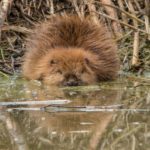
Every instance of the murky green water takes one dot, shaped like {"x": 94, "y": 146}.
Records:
{"x": 111, "y": 115}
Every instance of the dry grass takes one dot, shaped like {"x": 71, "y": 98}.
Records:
{"x": 128, "y": 21}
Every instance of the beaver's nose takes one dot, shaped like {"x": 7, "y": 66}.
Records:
{"x": 71, "y": 80}
{"x": 72, "y": 83}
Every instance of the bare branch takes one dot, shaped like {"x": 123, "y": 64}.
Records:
{"x": 4, "y": 4}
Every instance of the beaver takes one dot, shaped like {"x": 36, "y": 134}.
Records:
{"x": 69, "y": 51}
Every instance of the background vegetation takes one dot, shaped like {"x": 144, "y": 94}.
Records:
{"x": 127, "y": 20}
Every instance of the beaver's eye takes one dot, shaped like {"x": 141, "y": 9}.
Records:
{"x": 52, "y": 62}
{"x": 83, "y": 71}
{"x": 59, "y": 71}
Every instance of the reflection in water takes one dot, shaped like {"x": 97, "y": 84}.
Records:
{"x": 76, "y": 130}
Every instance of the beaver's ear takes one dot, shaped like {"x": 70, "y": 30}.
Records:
{"x": 91, "y": 62}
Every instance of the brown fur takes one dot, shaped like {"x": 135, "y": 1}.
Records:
{"x": 70, "y": 51}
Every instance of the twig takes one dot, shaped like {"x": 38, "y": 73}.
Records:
{"x": 92, "y": 9}
{"x": 124, "y": 36}
{"x": 4, "y": 71}
{"x": 147, "y": 17}
{"x": 124, "y": 135}
{"x": 112, "y": 12}
{"x": 125, "y": 12}
{"x": 124, "y": 17}
{"x": 77, "y": 8}
{"x": 2, "y": 54}
{"x": 4, "y": 74}
{"x": 17, "y": 29}
{"x": 3, "y": 12}
{"x": 134, "y": 142}
{"x": 121, "y": 22}
{"x": 147, "y": 25}
{"x": 51, "y": 7}
{"x": 139, "y": 79}
{"x": 135, "y": 57}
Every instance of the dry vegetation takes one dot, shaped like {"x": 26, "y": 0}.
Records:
{"x": 127, "y": 20}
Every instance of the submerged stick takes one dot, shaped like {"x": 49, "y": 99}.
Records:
{"x": 16, "y": 135}
{"x": 24, "y": 109}
{"x": 53, "y": 109}
{"x": 112, "y": 108}
{"x": 47, "y": 102}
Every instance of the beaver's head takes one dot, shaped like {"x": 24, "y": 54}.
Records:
{"x": 69, "y": 67}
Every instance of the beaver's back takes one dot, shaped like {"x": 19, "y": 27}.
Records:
{"x": 70, "y": 31}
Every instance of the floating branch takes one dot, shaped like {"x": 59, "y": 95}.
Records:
{"x": 53, "y": 109}
{"x": 115, "y": 108}
{"x": 24, "y": 109}
{"x": 47, "y": 102}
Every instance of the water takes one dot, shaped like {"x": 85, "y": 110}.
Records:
{"x": 109, "y": 116}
